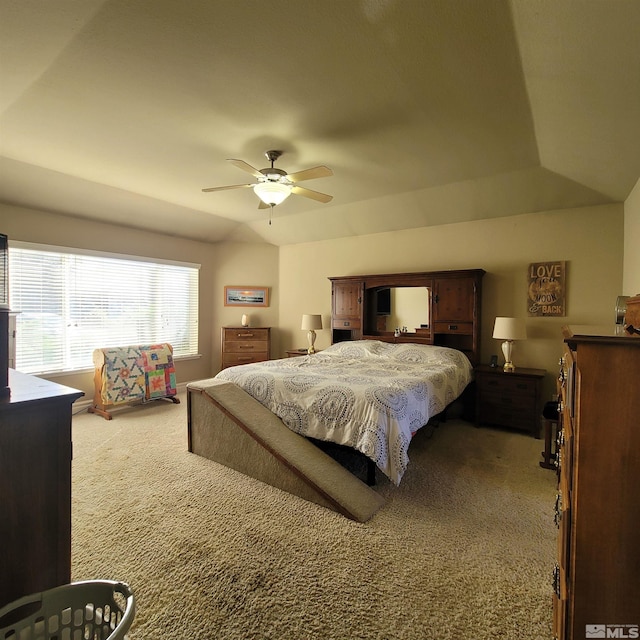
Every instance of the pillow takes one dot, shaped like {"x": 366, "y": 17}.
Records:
{"x": 410, "y": 352}
{"x": 402, "y": 351}
{"x": 358, "y": 348}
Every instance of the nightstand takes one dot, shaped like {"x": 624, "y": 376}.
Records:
{"x": 292, "y": 353}
{"x": 511, "y": 399}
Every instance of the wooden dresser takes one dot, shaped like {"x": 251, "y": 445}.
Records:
{"x": 597, "y": 574}
{"x": 242, "y": 345}
{"x": 35, "y": 486}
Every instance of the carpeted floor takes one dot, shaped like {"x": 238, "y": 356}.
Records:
{"x": 463, "y": 549}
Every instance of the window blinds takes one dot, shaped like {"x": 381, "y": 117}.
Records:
{"x": 71, "y": 303}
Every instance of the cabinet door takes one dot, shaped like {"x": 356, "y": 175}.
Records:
{"x": 347, "y": 304}
{"x": 454, "y": 299}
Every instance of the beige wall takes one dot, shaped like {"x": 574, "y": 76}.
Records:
{"x": 221, "y": 264}
{"x": 631, "y": 278}
{"x": 589, "y": 239}
{"x": 250, "y": 265}
{"x": 36, "y": 226}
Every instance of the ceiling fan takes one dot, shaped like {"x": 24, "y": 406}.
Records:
{"x": 274, "y": 186}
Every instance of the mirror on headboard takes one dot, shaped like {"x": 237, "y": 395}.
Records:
{"x": 391, "y": 307}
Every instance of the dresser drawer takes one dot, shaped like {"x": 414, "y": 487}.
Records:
{"x": 255, "y": 346}
{"x": 506, "y": 413}
{"x": 346, "y": 323}
{"x": 464, "y": 328}
{"x": 244, "y": 335}
{"x": 562, "y": 517}
{"x": 505, "y": 384}
{"x": 565, "y": 444}
{"x": 559, "y": 617}
{"x": 233, "y": 359}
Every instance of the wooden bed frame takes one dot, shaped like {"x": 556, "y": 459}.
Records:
{"x": 228, "y": 426}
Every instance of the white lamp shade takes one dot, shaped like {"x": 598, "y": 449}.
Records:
{"x": 272, "y": 193}
{"x": 509, "y": 329}
{"x": 311, "y": 321}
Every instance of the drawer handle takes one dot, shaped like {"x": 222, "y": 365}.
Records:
{"x": 245, "y": 335}
{"x": 522, "y": 385}
{"x": 453, "y": 327}
{"x": 346, "y": 324}
{"x": 555, "y": 580}
{"x": 249, "y": 359}
{"x": 557, "y": 515}
{"x": 246, "y": 346}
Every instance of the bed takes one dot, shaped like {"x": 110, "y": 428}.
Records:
{"x": 369, "y": 395}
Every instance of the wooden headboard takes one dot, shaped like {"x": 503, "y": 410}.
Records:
{"x": 452, "y": 306}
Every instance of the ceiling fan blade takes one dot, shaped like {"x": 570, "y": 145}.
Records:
{"x": 241, "y": 164}
{"x": 309, "y": 193}
{"x": 230, "y": 186}
{"x": 310, "y": 174}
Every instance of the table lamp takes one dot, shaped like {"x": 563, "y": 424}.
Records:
{"x": 509, "y": 329}
{"x": 310, "y": 322}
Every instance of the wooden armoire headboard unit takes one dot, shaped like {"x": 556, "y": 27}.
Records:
{"x": 362, "y": 307}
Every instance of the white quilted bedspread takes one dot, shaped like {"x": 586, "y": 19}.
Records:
{"x": 369, "y": 395}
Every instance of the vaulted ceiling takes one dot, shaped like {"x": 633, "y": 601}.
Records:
{"x": 427, "y": 111}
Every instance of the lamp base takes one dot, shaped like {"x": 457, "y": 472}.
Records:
{"x": 507, "y": 349}
{"x": 311, "y": 337}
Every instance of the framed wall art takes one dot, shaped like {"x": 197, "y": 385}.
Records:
{"x": 546, "y": 289}
{"x": 238, "y": 296}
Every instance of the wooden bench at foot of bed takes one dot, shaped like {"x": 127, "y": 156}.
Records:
{"x": 227, "y": 425}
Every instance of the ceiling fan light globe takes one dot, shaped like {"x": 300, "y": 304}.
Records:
{"x": 272, "y": 193}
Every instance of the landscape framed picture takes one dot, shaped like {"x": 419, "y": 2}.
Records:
{"x": 240, "y": 296}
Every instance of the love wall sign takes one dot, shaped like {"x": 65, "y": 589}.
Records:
{"x": 546, "y": 293}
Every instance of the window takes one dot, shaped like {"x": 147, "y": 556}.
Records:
{"x": 70, "y": 302}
